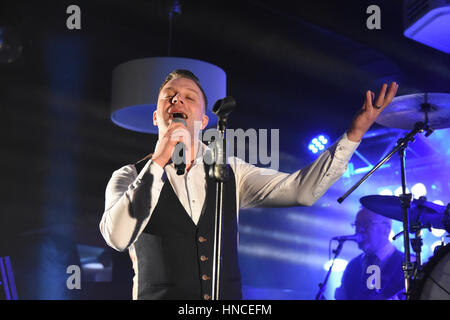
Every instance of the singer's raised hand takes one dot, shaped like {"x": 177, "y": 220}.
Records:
{"x": 370, "y": 111}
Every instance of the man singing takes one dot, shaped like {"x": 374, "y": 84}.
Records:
{"x": 360, "y": 280}
{"x": 166, "y": 221}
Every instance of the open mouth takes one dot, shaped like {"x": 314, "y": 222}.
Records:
{"x": 178, "y": 115}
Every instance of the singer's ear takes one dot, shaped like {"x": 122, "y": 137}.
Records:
{"x": 205, "y": 121}
{"x": 155, "y": 123}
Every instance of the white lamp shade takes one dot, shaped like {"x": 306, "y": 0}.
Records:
{"x": 135, "y": 89}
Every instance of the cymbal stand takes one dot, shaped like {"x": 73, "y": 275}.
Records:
{"x": 416, "y": 228}
{"x": 405, "y": 199}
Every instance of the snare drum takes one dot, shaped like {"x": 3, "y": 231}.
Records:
{"x": 433, "y": 281}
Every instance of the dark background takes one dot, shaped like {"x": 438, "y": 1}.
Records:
{"x": 302, "y": 67}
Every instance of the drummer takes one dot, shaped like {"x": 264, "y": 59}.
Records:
{"x": 377, "y": 273}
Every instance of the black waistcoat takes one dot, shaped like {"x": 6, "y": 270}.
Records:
{"x": 174, "y": 256}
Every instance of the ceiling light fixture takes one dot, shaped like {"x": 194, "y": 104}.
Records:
{"x": 135, "y": 86}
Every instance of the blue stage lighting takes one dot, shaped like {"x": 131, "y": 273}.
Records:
{"x": 313, "y": 148}
{"x": 435, "y": 244}
{"x": 438, "y": 233}
{"x": 339, "y": 265}
{"x": 323, "y": 139}
{"x": 385, "y": 192}
{"x": 419, "y": 190}
{"x": 318, "y": 143}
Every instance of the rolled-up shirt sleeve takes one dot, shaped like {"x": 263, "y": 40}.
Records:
{"x": 264, "y": 187}
{"x": 130, "y": 198}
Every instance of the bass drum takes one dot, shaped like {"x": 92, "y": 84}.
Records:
{"x": 433, "y": 281}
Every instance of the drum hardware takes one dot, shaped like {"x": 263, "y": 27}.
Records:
{"x": 423, "y": 213}
{"x": 424, "y": 112}
{"x": 439, "y": 247}
{"x": 432, "y": 281}
{"x": 405, "y": 199}
{"x": 405, "y": 111}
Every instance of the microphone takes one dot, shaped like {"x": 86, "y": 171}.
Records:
{"x": 178, "y": 157}
{"x": 354, "y": 237}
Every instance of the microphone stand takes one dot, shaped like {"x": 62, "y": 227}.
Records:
{"x": 405, "y": 199}
{"x": 337, "y": 251}
{"x": 219, "y": 172}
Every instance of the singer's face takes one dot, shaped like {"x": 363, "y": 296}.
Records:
{"x": 183, "y": 96}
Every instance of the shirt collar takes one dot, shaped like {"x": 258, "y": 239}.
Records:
{"x": 199, "y": 156}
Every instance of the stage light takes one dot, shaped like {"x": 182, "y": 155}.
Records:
{"x": 435, "y": 244}
{"x": 437, "y": 232}
{"x": 439, "y": 202}
{"x": 339, "y": 265}
{"x": 313, "y": 148}
{"x": 385, "y": 192}
{"x": 391, "y": 235}
{"x": 136, "y": 83}
{"x": 398, "y": 191}
{"x": 419, "y": 190}
{"x": 318, "y": 143}
{"x": 93, "y": 266}
{"x": 323, "y": 140}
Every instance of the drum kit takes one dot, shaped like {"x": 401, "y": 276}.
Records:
{"x": 423, "y": 112}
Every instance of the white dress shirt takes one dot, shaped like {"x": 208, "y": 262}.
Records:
{"x": 131, "y": 196}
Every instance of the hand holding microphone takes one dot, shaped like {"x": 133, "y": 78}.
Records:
{"x": 174, "y": 145}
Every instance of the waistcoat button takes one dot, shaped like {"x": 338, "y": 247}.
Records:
{"x": 203, "y": 258}
{"x": 206, "y": 296}
{"x": 205, "y": 277}
{"x": 202, "y": 239}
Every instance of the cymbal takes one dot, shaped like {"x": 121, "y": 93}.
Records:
{"x": 428, "y": 214}
{"x": 405, "y": 111}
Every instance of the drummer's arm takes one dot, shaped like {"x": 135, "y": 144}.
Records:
{"x": 367, "y": 115}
